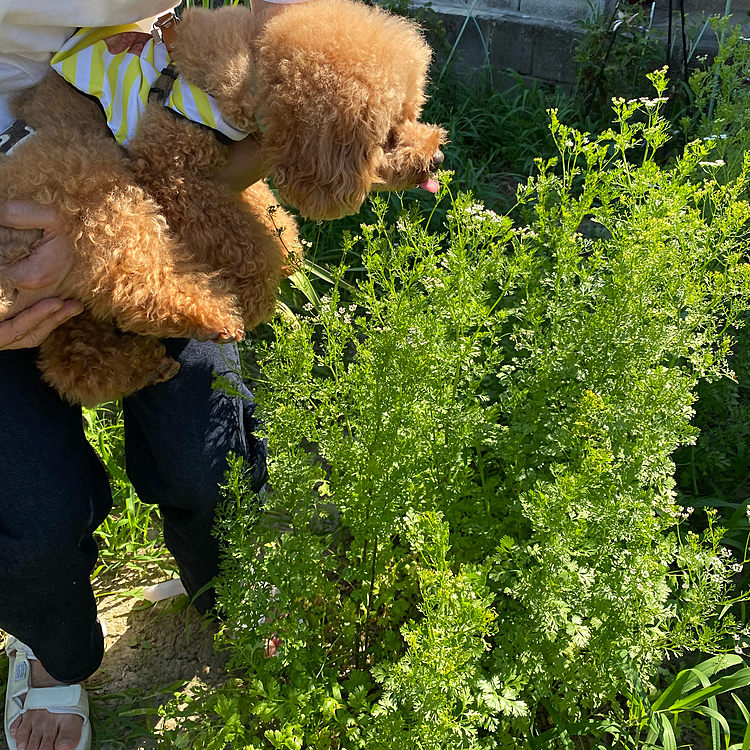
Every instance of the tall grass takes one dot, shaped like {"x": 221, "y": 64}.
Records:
{"x": 130, "y": 543}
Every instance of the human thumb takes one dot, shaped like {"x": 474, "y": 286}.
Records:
{"x": 27, "y": 215}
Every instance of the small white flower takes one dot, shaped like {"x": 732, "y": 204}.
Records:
{"x": 717, "y": 163}
{"x": 649, "y": 103}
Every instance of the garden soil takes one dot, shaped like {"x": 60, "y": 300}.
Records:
{"x": 148, "y": 650}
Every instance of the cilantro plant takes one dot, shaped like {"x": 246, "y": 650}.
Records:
{"x": 470, "y": 536}
{"x": 721, "y": 100}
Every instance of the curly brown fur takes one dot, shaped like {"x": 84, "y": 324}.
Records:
{"x": 130, "y": 273}
{"x": 226, "y": 232}
{"x": 90, "y": 361}
{"x": 337, "y": 88}
{"x": 227, "y": 35}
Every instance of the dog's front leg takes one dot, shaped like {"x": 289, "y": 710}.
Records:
{"x": 165, "y": 302}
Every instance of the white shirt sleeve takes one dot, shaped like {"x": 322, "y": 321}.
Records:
{"x": 31, "y": 31}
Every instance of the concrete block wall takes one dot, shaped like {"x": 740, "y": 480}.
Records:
{"x": 536, "y": 37}
{"x": 555, "y": 10}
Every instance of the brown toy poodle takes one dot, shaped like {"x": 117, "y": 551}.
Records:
{"x": 164, "y": 249}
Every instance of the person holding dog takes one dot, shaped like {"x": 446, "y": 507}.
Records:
{"x": 54, "y": 491}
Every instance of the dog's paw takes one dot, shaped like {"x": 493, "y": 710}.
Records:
{"x": 230, "y": 336}
{"x": 166, "y": 370}
{"x": 224, "y": 336}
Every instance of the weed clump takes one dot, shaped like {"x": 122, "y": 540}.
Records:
{"x": 471, "y": 538}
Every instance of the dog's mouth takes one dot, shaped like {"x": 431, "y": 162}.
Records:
{"x": 431, "y": 185}
{"x": 422, "y": 176}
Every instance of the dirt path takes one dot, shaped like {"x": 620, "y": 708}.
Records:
{"x": 147, "y": 650}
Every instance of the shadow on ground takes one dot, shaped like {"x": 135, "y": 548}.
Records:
{"x": 150, "y": 654}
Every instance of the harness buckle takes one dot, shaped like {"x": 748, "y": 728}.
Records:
{"x": 163, "y": 30}
{"x": 162, "y": 87}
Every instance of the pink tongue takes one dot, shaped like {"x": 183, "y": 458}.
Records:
{"x": 430, "y": 185}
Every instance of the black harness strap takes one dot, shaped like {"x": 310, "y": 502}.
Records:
{"x": 13, "y": 136}
{"x": 162, "y": 87}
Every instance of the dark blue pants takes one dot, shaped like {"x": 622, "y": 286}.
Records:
{"x": 54, "y": 493}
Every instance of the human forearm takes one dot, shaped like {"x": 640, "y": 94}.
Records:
{"x": 245, "y": 165}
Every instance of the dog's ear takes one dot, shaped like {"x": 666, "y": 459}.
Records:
{"x": 324, "y": 157}
{"x": 322, "y": 128}
{"x": 213, "y": 49}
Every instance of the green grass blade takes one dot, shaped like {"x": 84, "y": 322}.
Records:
{"x": 301, "y": 282}
{"x": 317, "y": 270}
{"x": 743, "y": 708}
{"x": 746, "y": 715}
{"x": 668, "y": 737}
{"x": 740, "y": 679}
{"x": 734, "y": 681}
{"x": 719, "y": 725}
{"x": 695, "y": 699}
{"x": 653, "y": 731}
{"x": 712, "y": 666}
{"x": 673, "y": 692}
{"x": 715, "y": 728}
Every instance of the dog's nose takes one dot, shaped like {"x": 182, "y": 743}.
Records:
{"x": 438, "y": 158}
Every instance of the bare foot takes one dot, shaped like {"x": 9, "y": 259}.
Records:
{"x": 39, "y": 729}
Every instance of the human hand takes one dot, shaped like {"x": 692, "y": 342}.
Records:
{"x": 44, "y": 272}
{"x": 39, "y": 280}
{"x": 31, "y": 326}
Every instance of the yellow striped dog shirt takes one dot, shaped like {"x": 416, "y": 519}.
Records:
{"x": 122, "y": 81}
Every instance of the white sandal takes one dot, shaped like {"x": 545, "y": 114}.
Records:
{"x": 164, "y": 590}
{"x": 62, "y": 699}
